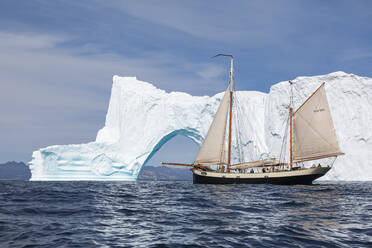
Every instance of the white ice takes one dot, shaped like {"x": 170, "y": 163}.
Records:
{"x": 141, "y": 118}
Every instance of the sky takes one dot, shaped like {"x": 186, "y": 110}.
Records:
{"x": 57, "y": 58}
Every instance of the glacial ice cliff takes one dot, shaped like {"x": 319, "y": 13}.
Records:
{"x": 141, "y": 118}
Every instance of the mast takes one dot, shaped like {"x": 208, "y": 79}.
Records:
{"x": 230, "y": 113}
{"x": 290, "y": 125}
{"x": 231, "y": 87}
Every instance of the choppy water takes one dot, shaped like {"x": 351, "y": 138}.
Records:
{"x": 180, "y": 214}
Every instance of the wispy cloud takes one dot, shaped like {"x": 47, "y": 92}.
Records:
{"x": 211, "y": 72}
{"x": 355, "y": 54}
{"x": 237, "y": 22}
{"x": 46, "y": 89}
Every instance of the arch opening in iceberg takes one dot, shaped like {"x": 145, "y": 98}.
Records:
{"x": 190, "y": 133}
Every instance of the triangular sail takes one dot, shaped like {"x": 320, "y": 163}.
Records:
{"x": 314, "y": 133}
{"x": 213, "y": 150}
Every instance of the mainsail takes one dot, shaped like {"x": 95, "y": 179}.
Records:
{"x": 213, "y": 150}
{"x": 314, "y": 133}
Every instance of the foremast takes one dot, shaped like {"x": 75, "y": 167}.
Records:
{"x": 231, "y": 96}
{"x": 231, "y": 83}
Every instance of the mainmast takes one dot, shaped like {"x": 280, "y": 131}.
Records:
{"x": 230, "y": 113}
{"x": 290, "y": 125}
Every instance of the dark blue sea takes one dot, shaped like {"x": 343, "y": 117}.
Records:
{"x": 181, "y": 214}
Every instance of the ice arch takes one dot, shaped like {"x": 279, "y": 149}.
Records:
{"x": 194, "y": 135}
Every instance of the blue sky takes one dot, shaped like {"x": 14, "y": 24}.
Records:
{"x": 57, "y": 58}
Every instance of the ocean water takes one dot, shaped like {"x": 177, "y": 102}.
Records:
{"x": 181, "y": 214}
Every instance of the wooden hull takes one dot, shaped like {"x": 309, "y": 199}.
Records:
{"x": 303, "y": 176}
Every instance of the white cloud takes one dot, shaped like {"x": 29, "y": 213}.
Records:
{"x": 30, "y": 41}
{"x": 47, "y": 90}
{"x": 211, "y": 72}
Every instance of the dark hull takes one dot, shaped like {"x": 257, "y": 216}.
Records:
{"x": 289, "y": 180}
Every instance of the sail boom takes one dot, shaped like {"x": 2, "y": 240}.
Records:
{"x": 211, "y": 162}
{"x": 191, "y": 165}
{"x": 304, "y": 159}
{"x": 257, "y": 163}
{"x": 180, "y": 164}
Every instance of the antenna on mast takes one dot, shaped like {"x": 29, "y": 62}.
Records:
{"x": 231, "y": 82}
{"x": 222, "y": 54}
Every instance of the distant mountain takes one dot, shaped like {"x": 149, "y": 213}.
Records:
{"x": 163, "y": 173}
{"x": 14, "y": 171}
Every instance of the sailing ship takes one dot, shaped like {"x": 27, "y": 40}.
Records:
{"x": 312, "y": 138}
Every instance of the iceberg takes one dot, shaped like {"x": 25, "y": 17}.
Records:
{"x": 141, "y": 118}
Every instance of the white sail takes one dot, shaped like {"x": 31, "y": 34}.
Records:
{"x": 314, "y": 133}
{"x": 259, "y": 163}
{"x": 213, "y": 150}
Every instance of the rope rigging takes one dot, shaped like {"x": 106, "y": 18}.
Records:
{"x": 284, "y": 147}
